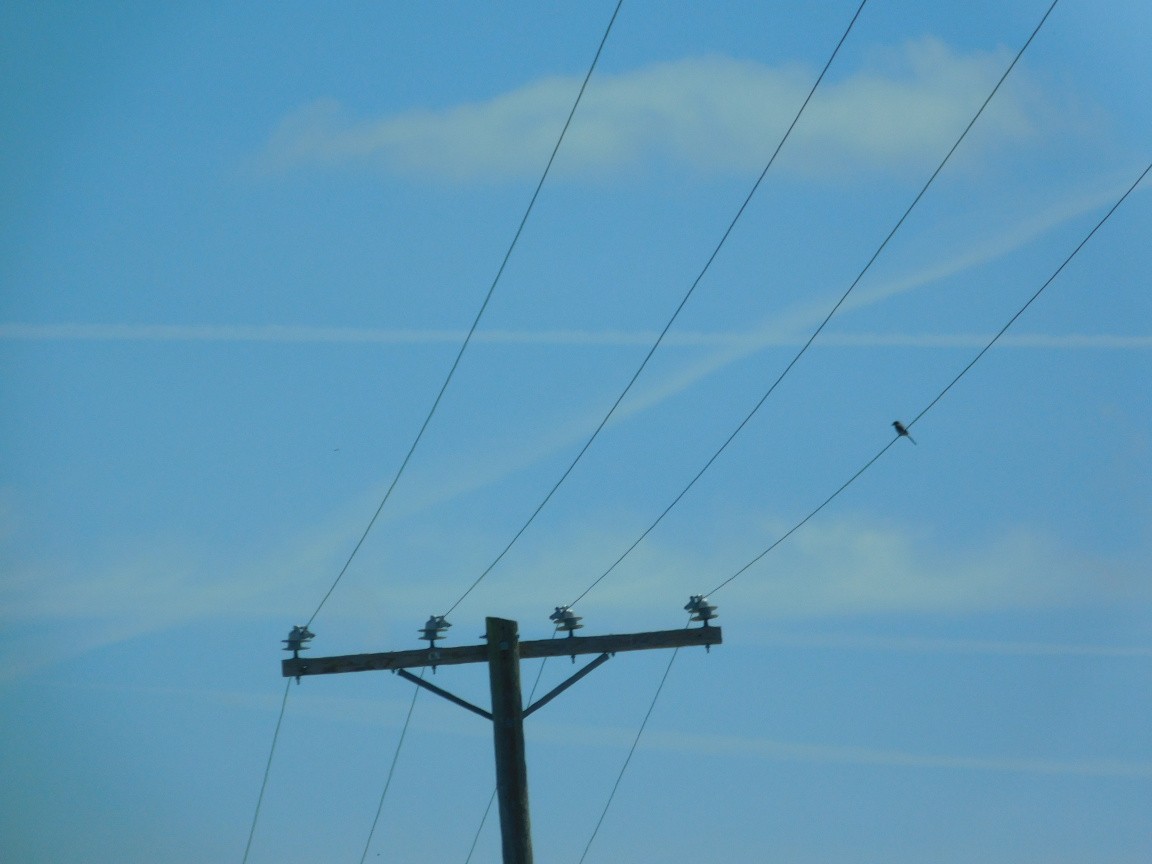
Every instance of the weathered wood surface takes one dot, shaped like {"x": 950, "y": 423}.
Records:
{"x": 508, "y": 740}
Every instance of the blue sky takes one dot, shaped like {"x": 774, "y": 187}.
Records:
{"x": 241, "y": 246}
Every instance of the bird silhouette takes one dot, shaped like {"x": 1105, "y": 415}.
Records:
{"x": 902, "y": 431}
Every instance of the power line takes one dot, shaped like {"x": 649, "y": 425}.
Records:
{"x": 803, "y": 521}
{"x": 856, "y": 476}
{"x": 475, "y": 321}
{"x": 675, "y": 314}
{"x": 828, "y": 500}
{"x": 420, "y": 434}
{"x": 842, "y": 488}
{"x": 1039, "y": 291}
{"x": 843, "y": 297}
{"x": 480, "y": 827}
{"x": 391, "y": 770}
{"x": 267, "y": 771}
{"x": 628, "y": 758}
{"x": 950, "y": 384}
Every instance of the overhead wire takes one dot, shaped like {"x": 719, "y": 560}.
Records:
{"x": 439, "y": 396}
{"x": 469, "y": 336}
{"x": 859, "y": 472}
{"x": 267, "y": 772}
{"x": 815, "y": 333}
{"x": 588, "y": 443}
{"x": 634, "y": 378}
{"x": 596, "y": 432}
{"x": 475, "y": 321}
{"x": 456, "y": 362}
{"x": 480, "y": 827}
{"x": 391, "y": 769}
{"x": 419, "y": 436}
{"x": 1039, "y": 291}
{"x": 668, "y": 326}
{"x": 950, "y": 384}
{"x": 631, "y": 753}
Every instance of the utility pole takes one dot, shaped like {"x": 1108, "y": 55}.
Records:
{"x": 503, "y": 653}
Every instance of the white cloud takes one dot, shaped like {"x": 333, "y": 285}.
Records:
{"x": 707, "y": 114}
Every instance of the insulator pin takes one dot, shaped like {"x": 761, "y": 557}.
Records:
{"x": 700, "y": 609}
{"x": 566, "y": 620}
{"x": 433, "y": 629}
{"x": 296, "y": 639}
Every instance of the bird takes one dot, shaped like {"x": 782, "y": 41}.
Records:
{"x": 902, "y": 431}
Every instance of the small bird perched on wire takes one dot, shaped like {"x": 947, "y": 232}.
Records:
{"x": 902, "y": 431}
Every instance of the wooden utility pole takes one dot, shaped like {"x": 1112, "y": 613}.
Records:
{"x": 502, "y": 653}
{"x": 508, "y": 739}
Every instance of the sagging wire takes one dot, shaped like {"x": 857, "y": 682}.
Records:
{"x": 631, "y": 752}
{"x": 475, "y": 321}
{"x": 1067, "y": 260}
{"x": 668, "y": 326}
{"x": 267, "y": 772}
{"x": 392, "y": 769}
{"x": 748, "y": 417}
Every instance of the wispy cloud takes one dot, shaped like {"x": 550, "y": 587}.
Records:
{"x": 775, "y": 750}
{"x": 707, "y": 114}
{"x": 920, "y": 645}
{"x": 746, "y": 341}
{"x": 792, "y": 326}
{"x": 272, "y": 333}
{"x": 849, "y": 567}
{"x": 836, "y": 568}
{"x": 786, "y": 751}
{"x": 58, "y": 611}
{"x": 67, "y": 605}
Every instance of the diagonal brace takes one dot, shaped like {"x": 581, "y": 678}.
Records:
{"x": 404, "y": 673}
{"x": 548, "y": 697}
